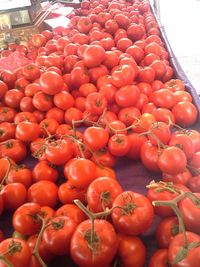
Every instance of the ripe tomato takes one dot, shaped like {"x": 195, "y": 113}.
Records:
{"x": 149, "y": 155}
{"x": 192, "y": 258}
{"x": 159, "y": 258}
{"x": 123, "y": 75}
{"x": 67, "y": 193}
{"x": 59, "y": 152}
{"x": 91, "y": 141}
{"x": 190, "y": 212}
{"x": 8, "y": 78}
{"x": 7, "y": 131}
{"x": 20, "y": 174}
{"x": 194, "y": 184}
{"x": 127, "y": 96}
{"x": 130, "y": 214}
{"x": 27, "y": 131}
{"x": 166, "y": 230}
{"x": 13, "y": 97}
{"x": 42, "y": 101}
{"x": 172, "y": 160}
{"x": 111, "y": 60}
{"x": 162, "y": 98}
{"x": 161, "y": 131}
{"x": 105, "y": 244}
{"x": 72, "y": 212}
{"x": 58, "y": 234}
{"x": 108, "y": 90}
{"x": 14, "y": 195}
{"x": 131, "y": 251}
{"x": 25, "y": 219}
{"x": 14, "y": 149}
{"x": 135, "y": 32}
{"x": 79, "y": 76}
{"x": 185, "y": 113}
{"x": 7, "y": 114}
{"x": 48, "y": 127}
{"x": 101, "y": 193}
{"x": 143, "y": 124}
{"x": 119, "y": 145}
{"x": 136, "y": 52}
{"x": 51, "y": 82}
{"x": 164, "y": 115}
{"x": 95, "y": 103}
{"x": 3, "y": 89}
{"x": 43, "y": 170}
{"x": 31, "y": 72}
{"x": 19, "y": 252}
{"x": 73, "y": 114}
{"x": 47, "y": 197}
{"x": 180, "y": 178}
{"x": 146, "y": 74}
{"x": 93, "y": 56}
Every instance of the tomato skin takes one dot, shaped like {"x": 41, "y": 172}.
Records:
{"x": 42, "y": 101}
{"x": 101, "y": 193}
{"x": 172, "y": 160}
{"x": 73, "y": 114}
{"x": 191, "y": 214}
{"x": 149, "y": 156}
{"x": 159, "y": 259}
{"x": 13, "y": 97}
{"x": 63, "y": 100}
{"x": 147, "y": 74}
{"x": 7, "y": 131}
{"x": 166, "y": 230}
{"x": 127, "y": 96}
{"x": 51, "y": 82}
{"x": 27, "y": 131}
{"x": 131, "y": 251}
{"x": 185, "y": 113}
{"x": 108, "y": 243}
{"x": 23, "y": 222}
{"x": 81, "y": 172}
{"x": 90, "y": 139}
{"x": 49, "y": 197}
{"x": 124, "y": 222}
{"x": 123, "y": 75}
{"x": 19, "y": 258}
{"x": 95, "y": 103}
{"x": 57, "y": 238}
{"x": 180, "y": 178}
{"x": 72, "y": 212}
{"x": 195, "y": 136}
{"x": 195, "y": 161}
{"x": 44, "y": 171}
{"x": 193, "y": 257}
{"x": 14, "y": 195}
{"x": 8, "y": 78}
{"x": 94, "y": 55}
{"x": 162, "y": 98}
{"x": 119, "y": 145}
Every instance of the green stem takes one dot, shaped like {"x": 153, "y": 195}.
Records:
{"x": 7, "y": 172}
{"x": 6, "y": 261}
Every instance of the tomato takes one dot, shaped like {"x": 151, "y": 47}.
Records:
{"x": 43, "y": 170}
{"x": 93, "y": 56}
{"x": 111, "y": 60}
{"x": 123, "y": 75}
{"x": 145, "y": 88}
{"x": 42, "y": 101}
{"x": 73, "y": 114}
{"x": 175, "y": 85}
{"x": 119, "y": 145}
{"x": 19, "y": 252}
{"x": 86, "y": 89}
{"x": 135, "y": 210}
{"x": 184, "y": 142}
{"x": 172, "y": 160}
{"x": 31, "y": 72}
{"x": 47, "y": 197}
{"x": 127, "y": 96}
{"x": 161, "y": 131}
{"x": 26, "y": 104}
{"x": 111, "y": 26}
{"x": 180, "y": 178}
{"x": 101, "y": 193}
{"x": 161, "y": 193}
{"x": 193, "y": 256}
{"x": 159, "y": 259}
{"x": 131, "y": 251}
{"x": 38, "y": 40}
{"x": 185, "y": 113}
{"x": 163, "y": 115}
{"x": 67, "y": 193}
{"x": 194, "y": 184}
{"x": 136, "y": 52}
{"x": 182, "y": 96}
{"x": 146, "y": 74}
{"x": 79, "y": 76}
{"x": 150, "y": 58}
{"x": 108, "y": 91}
{"x": 84, "y": 25}
{"x": 72, "y": 212}
{"x": 7, "y": 131}
{"x": 105, "y": 244}
{"x": 144, "y": 123}
{"x": 195, "y": 136}
{"x": 8, "y": 78}
{"x": 13, "y": 97}
{"x": 160, "y": 69}
{"x": 31, "y": 89}
{"x": 3, "y": 89}
{"x": 48, "y": 127}
{"x": 135, "y": 32}
{"x": 163, "y": 98}
{"x": 27, "y": 131}
{"x": 149, "y": 156}
{"x": 14, "y": 195}
{"x": 190, "y": 213}
{"x": 25, "y": 219}
{"x": 96, "y": 103}
{"x": 166, "y": 230}
{"x": 58, "y": 234}
{"x": 123, "y": 44}
{"x": 90, "y": 139}
{"x": 59, "y": 152}
{"x": 51, "y": 82}
{"x": 14, "y": 149}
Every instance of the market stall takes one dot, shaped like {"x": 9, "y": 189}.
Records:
{"x": 100, "y": 110}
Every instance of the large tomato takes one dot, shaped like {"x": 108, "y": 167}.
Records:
{"x": 14, "y": 149}
{"x": 99, "y": 252}
{"x": 127, "y": 96}
{"x": 94, "y": 55}
{"x": 123, "y": 75}
{"x": 132, "y": 214}
{"x": 90, "y": 139}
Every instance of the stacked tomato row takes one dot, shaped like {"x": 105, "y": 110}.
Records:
{"x": 109, "y": 72}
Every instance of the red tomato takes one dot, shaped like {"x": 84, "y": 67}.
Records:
{"x": 7, "y": 131}
{"x": 159, "y": 132}
{"x": 127, "y": 96}
{"x": 3, "y": 89}
{"x": 86, "y": 89}
{"x": 13, "y": 97}
{"x": 14, "y": 149}
{"x": 72, "y": 212}
{"x": 131, "y": 251}
{"x": 93, "y": 56}
{"x": 101, "y": 193}
{"x": 8, "y": 78}
{"x": 79, "y": 76}
{"x": 123, "y": 75}
{"x": 42, "y": 101}
{"x": 43, "y": 170}
{"x": 191, "y": 213}
{"x": 180, "y": 178}
{"x": 136, "y": 52}
{"x": 163, "y": 98}
{"x": 136, "y": 141}
{"x": 159, "y": 259}
{"x": 166, "y": 230}
{"x": 149, "y": 155}
{"x": 31, "y": 72}
{"x": 57, "y": 235}
{"x": 95, "y": 103}
{"x": 194, "y": 184}
{"x": 135, "y": 210}
{"x": 73, "y": 114}
{"x": 27, "y": 131}
{"x": 51, "y": 82}
{"x": 90, "y": 139}
{"x": 146, "y": 74}
{"x": 47, "y": 197}
{"x": 119, "y": 145}
{"x": 105, "y": 244}
{"x": 21, "y": 254}
{"x": 20, "y": 174}
{"x": 193, "y": 256}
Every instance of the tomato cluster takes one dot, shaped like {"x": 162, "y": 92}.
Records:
{"x": 99, "y": 89}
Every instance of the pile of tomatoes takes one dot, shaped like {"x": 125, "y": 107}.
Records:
{"x": 97, "y": 91}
